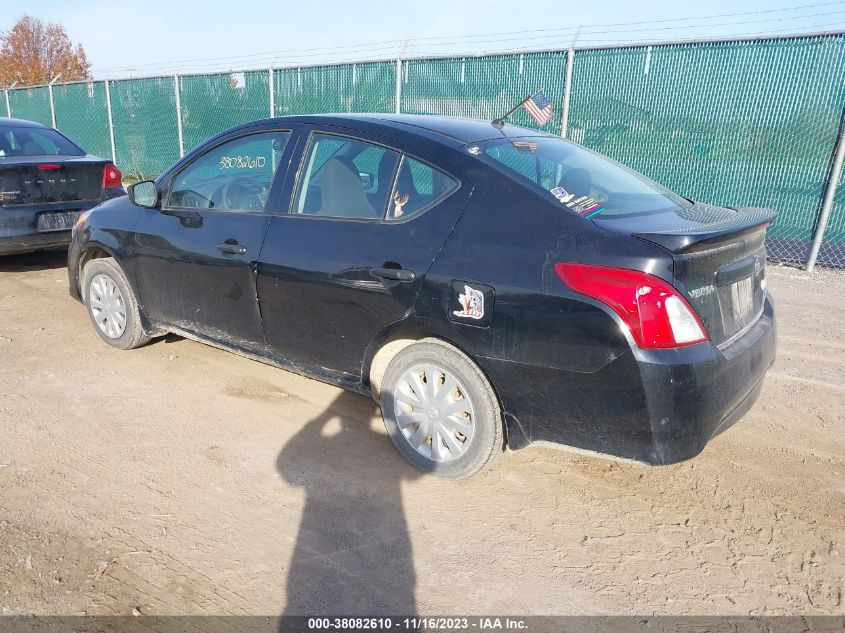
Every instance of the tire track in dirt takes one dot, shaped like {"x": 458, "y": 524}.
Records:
{"x": 183, "y": 453}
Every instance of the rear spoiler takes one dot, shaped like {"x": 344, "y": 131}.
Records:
{"x": 708, "y": 235}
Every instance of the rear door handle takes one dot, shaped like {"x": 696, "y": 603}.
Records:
{"x": 397, "y": 274}
{"x": 231, "y": 248}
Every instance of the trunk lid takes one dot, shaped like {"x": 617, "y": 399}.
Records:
{"x": 719, "y": 260}
{"x": 46, "y": 179}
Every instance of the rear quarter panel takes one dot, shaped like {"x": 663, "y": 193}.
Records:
{"x": 560, "y": 362}
{"x": 510, "y": 238}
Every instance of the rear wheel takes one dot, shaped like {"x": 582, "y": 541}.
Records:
{"x": 440, "y": 410}
{"x": 112, "y": 305}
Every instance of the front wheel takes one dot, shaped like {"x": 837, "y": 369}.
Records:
{"x": 112, "y": 305}
{"x": 440, "y": 410}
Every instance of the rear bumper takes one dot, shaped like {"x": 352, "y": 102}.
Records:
{"x": 19, "y": 227}
{"x": 653, "y": 406}
{"x": 34, "y": 242}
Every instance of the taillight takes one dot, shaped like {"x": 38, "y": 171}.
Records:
{"x": 111, "y": 176}
{"x": 50, "y": 166}
{"x": 654, "y": 311}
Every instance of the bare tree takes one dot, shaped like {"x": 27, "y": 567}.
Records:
{"x": 33, "y": 52}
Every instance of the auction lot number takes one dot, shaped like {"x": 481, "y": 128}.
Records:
{"x": 416, "y": 624}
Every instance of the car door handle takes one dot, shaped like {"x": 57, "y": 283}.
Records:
{"x": 231, "y": 248}
{"x": 397, "y": 274}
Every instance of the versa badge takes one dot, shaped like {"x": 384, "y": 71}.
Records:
{"x": 472, "y": 301}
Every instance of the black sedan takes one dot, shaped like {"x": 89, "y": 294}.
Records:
{"x": 490, "y": 285}
{"x": 46, "y": 181}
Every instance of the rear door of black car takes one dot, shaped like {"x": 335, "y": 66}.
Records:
{"x": 196, "y": 256}
{"x": 342, "y": 265}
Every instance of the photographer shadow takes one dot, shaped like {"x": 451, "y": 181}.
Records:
{"x": 353, "y": 550}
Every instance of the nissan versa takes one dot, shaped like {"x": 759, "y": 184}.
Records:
{"x": 46, "y": 181}
{"x": 490, "y": 285}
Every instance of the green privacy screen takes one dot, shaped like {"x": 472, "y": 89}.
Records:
{"x": 484, "y": 87}
{"x": 369, "y": 87}
{"x": 32, "y": 104}
{"x": 82, "y": 115}
{"x": 213, "y": 103}
{"x": 145, "y": 128}
{"x": 751, "y": 123}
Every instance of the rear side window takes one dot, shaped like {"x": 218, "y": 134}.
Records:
{"x": 33, "y": 141}
{"x": 418, "y": 187}
{"x": 345, "y": 178}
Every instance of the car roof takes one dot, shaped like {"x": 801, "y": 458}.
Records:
{"x": 439, "y": 128}
{"x": 443, "y": 128}
{"x": 7, "y": 122}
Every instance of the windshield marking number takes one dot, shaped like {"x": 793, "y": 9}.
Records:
{"x": 242, "y": 162}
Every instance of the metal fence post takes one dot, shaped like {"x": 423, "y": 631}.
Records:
{"x": 567, "y": 93}
{"x": 52, "y": 105}
{"x": 50, "y": 92}
{"x": 398, "y": 85}
{"x": 111, "y": 123}
{"x": 8, "y": 106}
{"x": 272, "y": 86}
{"x": 179, "y": 115}
{"x": 829, "y": 194}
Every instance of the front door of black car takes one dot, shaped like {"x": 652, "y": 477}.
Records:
{"x": 366, "y": 222}
{"x": 196, "y": 257}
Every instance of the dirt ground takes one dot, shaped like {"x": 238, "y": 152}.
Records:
{"x": 179, "y": 479}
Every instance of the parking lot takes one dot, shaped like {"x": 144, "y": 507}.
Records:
{"x": 178, "y": 478}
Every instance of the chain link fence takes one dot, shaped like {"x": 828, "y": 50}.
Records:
{"x": 484, "y": 87}
{"x": 368, "y": 87}
{"x": 81, "y": 110}
{"x": 213, "y": 103}
{"x": 146, "y": 128}
{"x": 745, "y": 123}
{"x": 740, "y": 123}
{"x": 32, "y": 104}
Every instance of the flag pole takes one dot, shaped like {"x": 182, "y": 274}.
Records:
{"x": 500, "y": 122}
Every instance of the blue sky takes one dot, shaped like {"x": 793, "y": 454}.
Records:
{"x": 160, "y": 37}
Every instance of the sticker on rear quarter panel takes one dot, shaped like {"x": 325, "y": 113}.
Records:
{"x": 471, "y": 303}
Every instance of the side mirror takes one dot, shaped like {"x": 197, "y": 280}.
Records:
{"x": 366, "y": 179}
{"x": 144, "y": 194}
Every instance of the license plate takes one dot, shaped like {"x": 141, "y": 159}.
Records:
{"x": 58, "y": 221}
{"x": 742, "y": 298}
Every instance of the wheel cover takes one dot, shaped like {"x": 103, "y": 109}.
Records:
{"x": 434, "y": 412}
{"x": 107, "y": 306}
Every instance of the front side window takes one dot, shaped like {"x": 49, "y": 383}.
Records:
{"x": 233, "y": 176}
{"x": 572, "y": 173}
{"x": 34, "y": 141}
{"x": 418, "y": 187}
{"x": 345, "y": 178}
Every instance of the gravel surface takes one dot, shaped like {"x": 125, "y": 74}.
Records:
{"x": 180, "y": 479}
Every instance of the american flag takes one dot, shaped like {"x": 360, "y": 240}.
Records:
{"x": 539, "y": 107}
{"x": 525, "y": 147}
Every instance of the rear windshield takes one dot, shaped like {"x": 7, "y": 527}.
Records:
{"x": 580, "y": 180}
{"x": 35, "y": 141}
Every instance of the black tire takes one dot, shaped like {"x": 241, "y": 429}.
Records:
{"x": 487, "y": 439}
{"x": 133, "y": 335}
